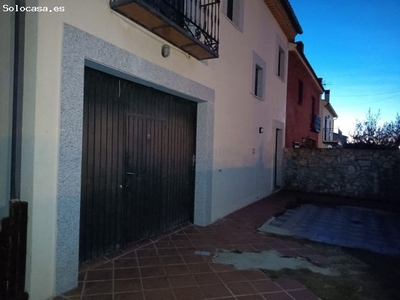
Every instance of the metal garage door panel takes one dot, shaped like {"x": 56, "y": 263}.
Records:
{"x": 137, "y": 163}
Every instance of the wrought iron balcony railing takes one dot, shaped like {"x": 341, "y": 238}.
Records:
{"x": 191, "y": 25}
{"x": 328, "y": 135}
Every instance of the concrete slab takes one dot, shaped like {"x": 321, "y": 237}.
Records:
{"x": 355, "y": 227}
{"x": 269, "y": 260}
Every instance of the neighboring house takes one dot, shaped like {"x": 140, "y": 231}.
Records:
{"x": 342, "y": 139}
{"x": 328, "y": 115}
{"x": 304, "y": 90}
{"x": 129, "y": 130}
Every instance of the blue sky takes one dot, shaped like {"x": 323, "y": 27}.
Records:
{"x": 354, "y": 46}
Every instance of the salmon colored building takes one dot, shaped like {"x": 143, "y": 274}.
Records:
{"x": 304, "y": 90}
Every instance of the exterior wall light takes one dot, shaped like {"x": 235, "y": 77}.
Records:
{"x": 165, "y": 51}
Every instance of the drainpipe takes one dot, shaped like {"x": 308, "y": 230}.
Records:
{"x": 18, "y": 209}
{"x": 18, "y": 84}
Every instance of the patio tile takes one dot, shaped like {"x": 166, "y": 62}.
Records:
{"x": 114, "y": 255}
{"x": 241, "y": 288}
{"x": 126, "y": 273}
{"x": 152, "y": 271}
{"x": 155, "y": 283}
{"x": 167, "y": 251}
{"x": 171, "y": 260}
{"x": 232, "y": 276}
{"x": 215, "y": 291}
{"x": 167, "y": 268}
{"x": 265, "y": 286}
{"x": 176, "y": 270}
{"x": 127, "y": 285}
{"x": 186, "y": 250}
{"x": 159, "y": 295}
{"x": 221, "y": 267}
{"x": 125, "y": 263}
{"x": 183, "y": 243}
{"x": 253, "y": 274}
{"x": 277, "y": 296}
{"x": 188, "y": 293}
{"x": 94, "y": 264}
{"x": 179, "y": 237}
{"x": 199, "y": 268}
{"x": 146, "y": 245}
{"x": 207, "y": 278}
{"x": 191, "y": 259}
{"x": 94, "y": 275}
{"x": 106, "y": 265}
{"x": 149, "y": 261}
{"x": 289, "y": 284}
{"x": 98, "y": 297}
{"x": 250, "y": 297}
{"x": 146, "y": 253}
{"x": 129, "y": 296}
{"x": 97, "y": 287}
{"x": 161, "y": 245}
{"x": 129, "y": 254}
{"x": 178, "y": 281}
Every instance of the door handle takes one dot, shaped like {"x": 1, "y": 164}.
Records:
{"x": 130, "y": 173}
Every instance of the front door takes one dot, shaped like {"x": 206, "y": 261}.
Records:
{"x": 143, "y": 176}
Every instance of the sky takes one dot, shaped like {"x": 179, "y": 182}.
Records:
{"x": 354, "y": 45}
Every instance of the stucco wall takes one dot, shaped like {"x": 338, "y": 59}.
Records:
{"x": 363, "y": 174}
{"x": 241, "y": 175}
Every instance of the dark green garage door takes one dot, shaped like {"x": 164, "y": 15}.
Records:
{"x": 137, "y": 163}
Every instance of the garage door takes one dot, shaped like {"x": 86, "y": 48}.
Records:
{"x": 137, "y": 163}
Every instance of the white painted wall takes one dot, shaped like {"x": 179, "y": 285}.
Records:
{"x": 325, "y": 112}
{"x": 240, "y": 176}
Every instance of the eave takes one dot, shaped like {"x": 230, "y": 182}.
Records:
{"x": 309, "y": 68}
{"x": 285, "y": 16}
{"x": 331, "y": 110}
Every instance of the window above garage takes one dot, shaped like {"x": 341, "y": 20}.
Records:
{"x": 191, "y": 25}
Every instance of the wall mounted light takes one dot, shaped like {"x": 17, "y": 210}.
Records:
{"x": 165, "y": 50}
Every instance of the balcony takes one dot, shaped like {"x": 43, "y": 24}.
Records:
{"x": 328, "y": 135}
{"x": 191, "y": 25}
{"x": 315, "y": 123}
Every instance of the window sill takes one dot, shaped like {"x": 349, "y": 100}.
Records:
{"x": 258, "y": 97}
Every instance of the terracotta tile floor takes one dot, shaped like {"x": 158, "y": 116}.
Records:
{"x": 168, "y": 268}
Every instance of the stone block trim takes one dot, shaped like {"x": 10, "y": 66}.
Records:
{"x": 363, "y": 174}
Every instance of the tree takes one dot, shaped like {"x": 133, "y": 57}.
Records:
{"x": 369, "y": 135}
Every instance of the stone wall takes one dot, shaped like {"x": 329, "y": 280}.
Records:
{"x": 364, "y": 174}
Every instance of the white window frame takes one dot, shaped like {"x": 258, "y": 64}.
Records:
{"x": 237, "y": 15}
{"x": 258, "y": 77}
{"x": 281, "y": 63}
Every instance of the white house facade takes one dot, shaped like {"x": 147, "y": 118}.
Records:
{"x": 328, "y": 117}
{"x": 78, "y": 63}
